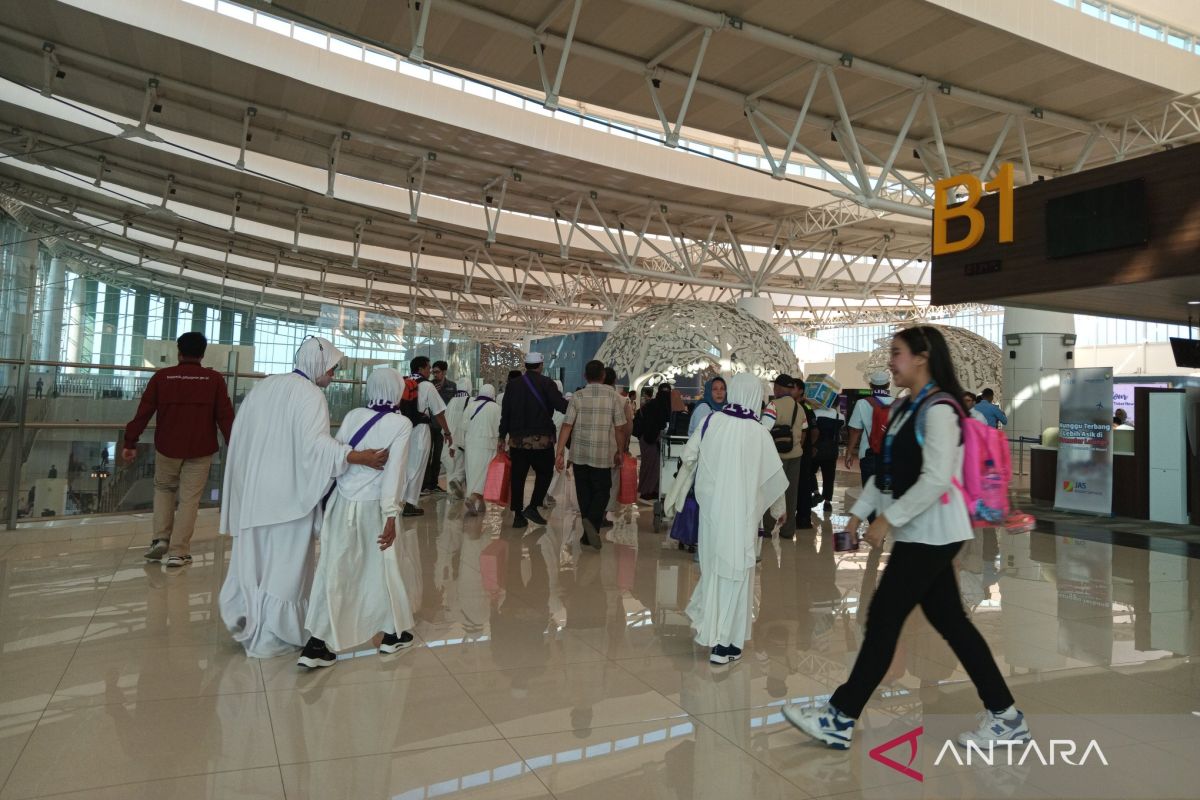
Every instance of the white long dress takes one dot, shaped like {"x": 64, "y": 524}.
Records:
{"x": 453, "y": 460}
{"x": 419, "y": 447}
{"x": 482, "y": 433}
{"x": 359, "y": 590}
{"x": 281, "y": 459}
{"x": 738, "y": 476}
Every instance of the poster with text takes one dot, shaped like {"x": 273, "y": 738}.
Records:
{"x": 1085, "y": 441}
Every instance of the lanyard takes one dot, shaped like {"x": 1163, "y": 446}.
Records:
{"x": 301, "y": 374}
{"x": 894, "y": 428}
{"x": 483, "y": 401}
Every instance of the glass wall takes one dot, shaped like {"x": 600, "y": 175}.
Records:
{"x": 77, "y": 348}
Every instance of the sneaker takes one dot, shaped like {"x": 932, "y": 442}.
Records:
{"x": 394, "y": 644}
{"x": 179, "y": 561}
{"x": 158, "y": 549}
{"x": 519, "y": 521}
{"x": 733, "y": 653}
{"x": 825, "y": 724}
{"x": 425, "y": 492}
{"x": 591, "y": 536}
{"x": 412, "y": 511}
{"x": 719, "y": 655}
{"x": 828, "y": 506}
{"x": 316, "y": 655}
{"x": 1007, "y": 726}
{"x": 456, "y": 488}
{"x": 533, "y": 515}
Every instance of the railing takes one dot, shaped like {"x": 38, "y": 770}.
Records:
{"x": 51, "y": 445}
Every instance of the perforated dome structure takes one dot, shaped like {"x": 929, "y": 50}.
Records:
{"x": 978, "y": 363}
{"x": 687, "y": 337}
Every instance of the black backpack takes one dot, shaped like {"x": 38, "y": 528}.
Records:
{"x": 782, "y": 434}
{"x": 410, "y": 398}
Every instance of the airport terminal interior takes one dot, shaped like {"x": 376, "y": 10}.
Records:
{"x": 683, "y": 190}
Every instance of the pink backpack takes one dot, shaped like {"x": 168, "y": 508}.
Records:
{"x": 987, "y": 466}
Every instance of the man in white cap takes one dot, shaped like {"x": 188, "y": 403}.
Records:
{"x": 527, "y": 429}
{"x": 424, "y": 407}
{"x": 868, "y": 421}
{"x": 280, "y": 463}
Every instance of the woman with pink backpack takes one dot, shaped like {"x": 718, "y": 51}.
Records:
{"x": 918, "y": 494}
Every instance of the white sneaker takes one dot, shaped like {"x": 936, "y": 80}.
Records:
{"x": 179, "y": 561}
{"x": 1008, "y": 725}
{"x": 158, "y": 549}
{"x": 825, "y": 724}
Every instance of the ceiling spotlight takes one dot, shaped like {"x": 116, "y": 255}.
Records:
{"x": 846, "y": 60}
{"x": 1037, "y": 113}
{"x": 944, "y": 87}
{"x": 736, "y": 23}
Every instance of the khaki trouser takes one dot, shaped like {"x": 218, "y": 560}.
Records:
{"x": 183, "y": 479}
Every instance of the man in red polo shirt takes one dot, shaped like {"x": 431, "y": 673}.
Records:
{"x": 191, "y": 402}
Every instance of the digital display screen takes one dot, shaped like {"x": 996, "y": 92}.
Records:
{"x": 1097, "y": 219}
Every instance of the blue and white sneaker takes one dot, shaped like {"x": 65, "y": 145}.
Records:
{"x": 1008, "y": 725}
{"x": 825, "y": 724}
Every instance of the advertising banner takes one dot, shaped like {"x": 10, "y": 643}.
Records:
{"x": 1085, "y": 441}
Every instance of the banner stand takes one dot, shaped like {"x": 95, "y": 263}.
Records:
{"x": 1085, "y": 438}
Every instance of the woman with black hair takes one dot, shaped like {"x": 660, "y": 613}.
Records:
{"x": 916, "y": 497}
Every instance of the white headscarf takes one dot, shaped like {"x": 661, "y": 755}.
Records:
{"x": 316, "y": 356}
{"x": 384, "y": 387}
{"x": 745, "y": 391}
{"x": 487, "y": 391}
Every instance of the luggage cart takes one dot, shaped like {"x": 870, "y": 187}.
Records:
{"x": 670, "y": 457}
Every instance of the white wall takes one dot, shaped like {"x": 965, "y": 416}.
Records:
{"x": 1132, "y": 359}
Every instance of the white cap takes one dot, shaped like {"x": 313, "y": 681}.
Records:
{"x": 534, "y": 358}
{"x": 880, "y": 378}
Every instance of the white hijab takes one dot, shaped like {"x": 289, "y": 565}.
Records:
{"x": 316, "y": 356}
{"x": 384, "y": 387}
{"x": 739, "y": 476}
{"x": 487, "y": 391}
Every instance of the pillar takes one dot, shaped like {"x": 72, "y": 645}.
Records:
{"x": 170, "y": 319}
{"x": 760, "y": 307}
{"x": 141, "y": 327}
{"x": 111, "y": 324}
{"x": 1034, "y": 352}
{"x": 17, "y": 280}
{"x": 199, "y": 317}
{"x": 54, "y": 301}
{"x": 225, "y": 334}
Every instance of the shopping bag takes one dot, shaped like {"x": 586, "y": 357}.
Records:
{"x": 492, "y": 563}
{"x": 686, "y": 527}
{"x": 627, "y": 494}
{"x": 496, "y": 485}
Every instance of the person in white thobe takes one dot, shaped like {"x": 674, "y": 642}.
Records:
{"x": 431, "y": 406}
{"x": 481, "y": 432}
{"x": 453, "y": 459}
{"x": 738, "y": 475}
{"x": 359, "y": 590}
{"x": 280, "y": 462}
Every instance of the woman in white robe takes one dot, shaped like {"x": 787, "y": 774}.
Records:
{"x": 481, "y": 426}
{"x": 453, "y": 457}
{"x": 280, "y": 462}
{"x": 738, "y": 476}
{"x": 359, "y": 591}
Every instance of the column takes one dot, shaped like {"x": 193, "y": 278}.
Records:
{"x": 15, "y": 284}
{"x": 111, "y": 324}
{"x": 225, "y": 335}
{"x": 141, "y": 326}
{"x": 760, "y": 307}
{"x": 87, "y": 320}
{"x": 199, "y": 317}
{"x": 170, "y": 319}
{"x": 246, "y": 334}
{"x": 54, "y": 301}
{"x": 1035, "y": 350}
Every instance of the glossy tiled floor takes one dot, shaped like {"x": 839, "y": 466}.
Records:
{"x": 569, "y": 674}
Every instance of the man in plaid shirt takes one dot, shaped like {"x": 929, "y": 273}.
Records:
{"x": 597, "y": 427}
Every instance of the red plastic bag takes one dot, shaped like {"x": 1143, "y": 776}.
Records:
{"x": 627, "y": 494}
{"x": 492, "y": 563}
{"x": 499, "y": 476}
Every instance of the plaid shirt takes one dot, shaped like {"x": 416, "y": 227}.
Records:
{"x": 594, "y": 414}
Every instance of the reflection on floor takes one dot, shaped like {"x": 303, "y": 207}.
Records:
{"x": 550, "y": 672}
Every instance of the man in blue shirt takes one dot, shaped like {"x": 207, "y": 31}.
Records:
{"x": 991, "y": 412}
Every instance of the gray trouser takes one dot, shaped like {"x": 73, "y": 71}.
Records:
{"x": 791, "y": 468}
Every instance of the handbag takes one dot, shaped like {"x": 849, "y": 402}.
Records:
{"x": 627, "y": 492}
{"x": 496, "y": 485}
{"x": 685, "y": 529}
{"x": 783, "y": 435}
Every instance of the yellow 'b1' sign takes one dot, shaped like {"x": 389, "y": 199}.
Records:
{"x": 943, "y": 212}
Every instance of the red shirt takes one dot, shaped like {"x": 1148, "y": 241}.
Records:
{"x": 191, "y": 402}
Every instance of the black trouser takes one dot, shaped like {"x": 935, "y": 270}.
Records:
{"x": 866, "y": 467}
{"x": 593, "y": 486}
{"x": 828, "y": 469}
{"x": 920, "y": 574}
{"x": 434, "y": 467}
{"x": 542, "y": 462}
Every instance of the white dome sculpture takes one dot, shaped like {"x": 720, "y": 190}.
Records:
{"x": 978, "y": 362}
{"x": 687, "y": 337}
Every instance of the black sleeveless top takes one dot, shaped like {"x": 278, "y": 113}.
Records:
{"x": 907, "y": 458}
